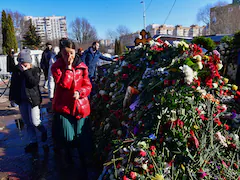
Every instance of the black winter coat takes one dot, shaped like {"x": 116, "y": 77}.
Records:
{"x": 32, "y": 79}
{"x": 10, "y": 63}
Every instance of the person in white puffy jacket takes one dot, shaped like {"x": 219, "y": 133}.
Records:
{"x": 51, "y": 83}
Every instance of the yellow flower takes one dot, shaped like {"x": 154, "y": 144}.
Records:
{"x": 196, "y": 127}
{"x": 185, "y": 44}
{"x": 225, "y": 80}
{"x": 182, "y": 166}
{"x": 158, "y": 177}
{"x": 206, "y": 57}
{"x": 234, "y": 87}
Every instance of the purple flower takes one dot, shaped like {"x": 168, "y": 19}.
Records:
{"x": 135, "y": 130}
{"x": 233, "y": 115}
{"x": 134, "y": 105}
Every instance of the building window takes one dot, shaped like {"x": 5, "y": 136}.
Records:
{"x": 184, "y": 32}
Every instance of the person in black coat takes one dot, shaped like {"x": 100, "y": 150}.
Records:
{"x": 25, "y": 92}
{"x": 10, "y": 61}
{"x": 46, "y": 56}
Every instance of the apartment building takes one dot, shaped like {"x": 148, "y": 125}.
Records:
{"x": 178, "y": 30}
{"x": 49, "y": 28}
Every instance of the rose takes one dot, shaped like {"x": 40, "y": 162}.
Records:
{"x": 219, "y": 66}
{"x": 225, "y": 80}
{"x": 198, "y": 58}
{"x": 234, "y": 87}
{"x": 200, "y": 65}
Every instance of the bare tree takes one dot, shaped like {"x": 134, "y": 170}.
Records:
{"x": 120, "y": 31}
{"x": 111, "y": 34}
{"x": 82, "y": 31}
{"x": 203, "y": 14}
{"x": 17, "y": 18}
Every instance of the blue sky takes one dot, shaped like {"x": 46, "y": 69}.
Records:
{"x": 108, "y": 14}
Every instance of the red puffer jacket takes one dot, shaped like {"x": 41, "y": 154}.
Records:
{"x": 67, "y": 82}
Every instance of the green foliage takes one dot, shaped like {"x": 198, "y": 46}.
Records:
{"x": 11, "y": 40}
{"x": 206, "y": 43}
{"x": 8, "y": 33}
{"x": 236, "y": 40}
{"x": 4, "y": 22}
{"x": 227, "y": 39}
{"x": 31, "y": 39}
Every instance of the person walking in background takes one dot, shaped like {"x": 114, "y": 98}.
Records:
{"x": 91, "y": 57}
{"x": 80, "y": 52}
{"x": 51, "y": 83}
{"x": 46, "y": 56}
{"x": 10, "y": 68}
{"x": 71, "y": 126}
{"x": 25, "y": 92}
{"x": 10, "y": 61}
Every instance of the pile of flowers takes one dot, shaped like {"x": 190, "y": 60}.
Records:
{"x": 165, "y": 112}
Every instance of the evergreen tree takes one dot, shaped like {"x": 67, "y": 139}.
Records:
{"x": 116, "y": 47}
{"x": 4, "y": 34}
{"x": 206, "y": 43}
{"x": 11, "y": 40}
{"x": 120, "y": 51}
{"x": 31, "y": 39}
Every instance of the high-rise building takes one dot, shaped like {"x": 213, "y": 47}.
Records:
{"x": 49, "y": 28}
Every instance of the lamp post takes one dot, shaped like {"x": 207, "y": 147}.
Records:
{"x": 144, "y": 15}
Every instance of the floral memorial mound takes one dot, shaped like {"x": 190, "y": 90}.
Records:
{"x": 165, "y": 112}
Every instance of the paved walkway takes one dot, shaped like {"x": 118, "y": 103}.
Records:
{"x": 15, "y": 164}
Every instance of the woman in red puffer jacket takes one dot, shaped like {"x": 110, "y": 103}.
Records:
{"x": 71, "y": 126}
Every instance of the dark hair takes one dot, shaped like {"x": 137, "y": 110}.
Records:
{"x": 48, "y": 43}
{"x": 94, "y": 43}
{"x": 65, "y": 42}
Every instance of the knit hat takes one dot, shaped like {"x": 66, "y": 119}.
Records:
{"x": 25, "y": 56}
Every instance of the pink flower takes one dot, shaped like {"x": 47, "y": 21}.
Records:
{"x": 142, "y": 153}
{"x": 125, "y": 76}
{"x": 203, "y": 117}
{"x": 202, "y": 174}
{"x": 224, "y": 164}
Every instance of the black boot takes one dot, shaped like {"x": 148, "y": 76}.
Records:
{"x": 68, "y": 156}
{"x": 43, "y": 130}
{"x": 83, "y": 165}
